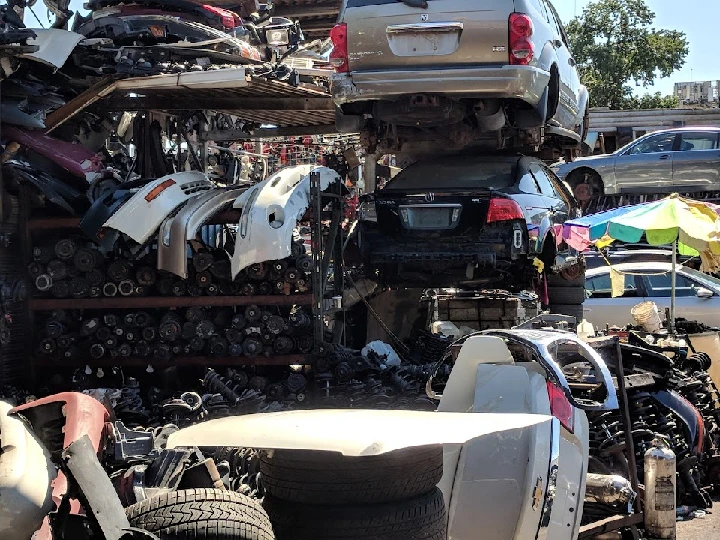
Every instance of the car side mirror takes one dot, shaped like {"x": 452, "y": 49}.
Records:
{"x": 704, "y": 293}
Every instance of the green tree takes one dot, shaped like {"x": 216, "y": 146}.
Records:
{"x": 614, "y": 43}
{"x": 651, "y": 101}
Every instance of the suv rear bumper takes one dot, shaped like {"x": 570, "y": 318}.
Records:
{"x": 525, "y": 83}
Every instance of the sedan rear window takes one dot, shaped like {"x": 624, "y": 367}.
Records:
{"x": 459, "y": 174}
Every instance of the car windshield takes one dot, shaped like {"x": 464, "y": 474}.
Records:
{"x": 700, "y": 276}
{"x": 455, "y": 174}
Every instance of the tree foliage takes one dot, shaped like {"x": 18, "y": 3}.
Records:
{"x": 614, "y": 43}
{"x": 651, "y": 101}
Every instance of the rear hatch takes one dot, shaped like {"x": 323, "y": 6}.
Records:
{"x": 384, "y": 34}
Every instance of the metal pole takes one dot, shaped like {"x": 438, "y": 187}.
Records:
{"x": 627, "y": 424}
{"x": 673, "y": 275}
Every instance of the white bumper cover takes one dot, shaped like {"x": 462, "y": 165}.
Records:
{"x": 141, "y": 216}
{"x": 270, "y": 212}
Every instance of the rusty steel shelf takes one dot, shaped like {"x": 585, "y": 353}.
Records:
{"x": 209, "y": 361}
{"x": 147, "y": 302}
{"x": 44, "y": 224}
{"x": 49, "y": 223}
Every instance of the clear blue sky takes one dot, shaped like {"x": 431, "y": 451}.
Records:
{"x": 699, "y": 20}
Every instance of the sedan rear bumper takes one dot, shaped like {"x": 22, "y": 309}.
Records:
{"x": 525, "y": 83}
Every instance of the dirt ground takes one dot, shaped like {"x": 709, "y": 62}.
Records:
{"x": 701, "y": 529}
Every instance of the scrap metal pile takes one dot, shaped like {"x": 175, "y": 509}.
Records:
{"x": 670, "y": 393}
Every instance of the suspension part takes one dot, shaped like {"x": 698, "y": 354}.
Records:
{"x": 283, "y": 345}
{"x": 119, "y": 270}
{"x": 43, "y": 283}
{"x": 85, "y": 260}
{"x": 79, "y": 287}
{"x": 110, "y": 289}
{"x": 57, "y": 270}
{"x": 65, "y": 249}
{"x": 146, "y": 275}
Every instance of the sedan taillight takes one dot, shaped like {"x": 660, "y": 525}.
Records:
{"x": 522, "y": 49}
{"x": 338, "y": 56}
{"x": 503, "y": 210}
{"x": 560, "y": 407}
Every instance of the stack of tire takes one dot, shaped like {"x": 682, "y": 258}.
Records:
{"x": 566, "y": 293}
{"x": 328, "y": 496}
{"x": 202, "y": 514}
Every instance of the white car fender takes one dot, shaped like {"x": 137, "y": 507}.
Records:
{"x": 270, "y": 213}
{"x": 141, "y": 216}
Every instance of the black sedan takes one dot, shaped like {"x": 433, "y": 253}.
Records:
{"x": 467, "y": 221}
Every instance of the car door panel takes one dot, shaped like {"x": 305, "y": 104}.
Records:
{"x": 600, "y": 309}
{"x": 657, "y": 289}
{"x": 647, "y": 165}
{"x": 387, "y": 35}
{"x": 696, "y": 164}
{"x": 569, "y": 81}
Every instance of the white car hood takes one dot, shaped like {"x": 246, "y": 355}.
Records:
{"x": 270, "y": 212}
{"x": 350, "y": 432}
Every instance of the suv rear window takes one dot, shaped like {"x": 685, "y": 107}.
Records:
{"x": 455, "y": 174}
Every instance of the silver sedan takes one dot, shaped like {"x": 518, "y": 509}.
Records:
{"x": 683, "y": 160}
{"x": 697, "y": 295}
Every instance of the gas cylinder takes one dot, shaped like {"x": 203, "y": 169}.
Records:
{"x": 660, "y": 489}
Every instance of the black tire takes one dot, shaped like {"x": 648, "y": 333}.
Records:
{"x": 592, "y": 182}
{"x": 333, "y": 479}
{"x": 571, "y": 310}
{"x": 566, "y": 295}
{"x": 557, "y": 281}
{"x": 212, "y": 514}
{"x": 422, "y": 518}
{"x": 553, "y": 93}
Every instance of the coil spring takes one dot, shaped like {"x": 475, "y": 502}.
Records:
{"x": 217, "y": 384}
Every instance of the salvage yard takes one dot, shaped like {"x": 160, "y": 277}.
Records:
{"x": 286, "y": 271}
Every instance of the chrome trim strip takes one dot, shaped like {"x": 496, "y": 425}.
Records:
{"x": 435, "y": 27}
{"x": 544, "y": 524}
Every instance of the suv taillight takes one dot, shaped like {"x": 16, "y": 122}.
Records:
{"x": 560, "y": 407}
{"x": 229, "y": 19}
{"x": 338, "y": 56}
{"x": 521, "y": 46}
{"x": 503, "y": 210}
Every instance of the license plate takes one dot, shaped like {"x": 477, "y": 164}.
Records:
{"x": 424, "y": 39}
{"x": 425, "y": 218}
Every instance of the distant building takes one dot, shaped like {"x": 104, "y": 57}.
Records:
{"x": 697, "y": 92}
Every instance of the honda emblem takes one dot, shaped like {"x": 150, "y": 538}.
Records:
{"x": 429, "y": 197}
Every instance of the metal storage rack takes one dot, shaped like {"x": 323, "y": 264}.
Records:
{"x": 30, "y": 225}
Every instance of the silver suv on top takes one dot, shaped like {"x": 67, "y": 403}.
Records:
{"x": 454, "y": 69}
